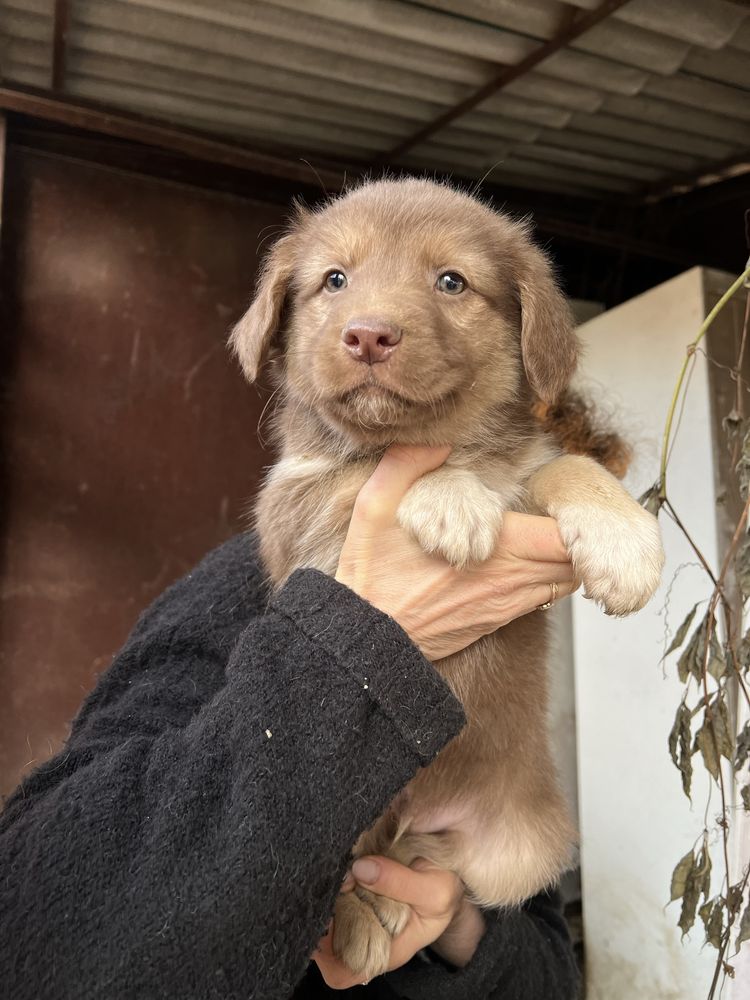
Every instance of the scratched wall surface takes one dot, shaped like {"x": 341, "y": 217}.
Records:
{"x": 129, "y": 437}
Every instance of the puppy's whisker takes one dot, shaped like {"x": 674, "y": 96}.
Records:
{"x": 267, "y": 233}
{"x": 269, "y": 401}
{"x": 477, "y": 187}
{"x": 317, "y": 175}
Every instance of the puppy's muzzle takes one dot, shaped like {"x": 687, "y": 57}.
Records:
{"x": 370, "y": 340}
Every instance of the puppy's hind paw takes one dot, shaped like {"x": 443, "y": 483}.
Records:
{"x": 359, "y": 938}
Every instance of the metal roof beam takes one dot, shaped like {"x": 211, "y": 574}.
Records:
{"x": 120, "y": 125}
{"x": 572, "y": 28}
{"x": 712, "y": 173}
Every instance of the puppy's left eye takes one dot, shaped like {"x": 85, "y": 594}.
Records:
{"x": 335, "y": 281}
{"x": 452, "y": 283}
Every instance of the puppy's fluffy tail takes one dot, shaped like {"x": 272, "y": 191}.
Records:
{"x": 580, "y": 429}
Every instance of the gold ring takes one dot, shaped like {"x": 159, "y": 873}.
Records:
{"x": 552, "y": 598}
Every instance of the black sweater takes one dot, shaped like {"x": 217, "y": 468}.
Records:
{"x": 190, "y": 839}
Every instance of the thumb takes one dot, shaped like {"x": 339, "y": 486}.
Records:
{"x": 399, "y": 468}
{"x": 429, "y": 888}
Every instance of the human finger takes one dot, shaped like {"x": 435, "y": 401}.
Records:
{"x": 336, "y": 974}
{"x": 536, "y": 573}
{"x": 543, "y": 593}
{"x": 348, "y": 883}
{"x": 430, "y": 890}
{"x": 399, "y": 468}
{"x": 529, "y": 536}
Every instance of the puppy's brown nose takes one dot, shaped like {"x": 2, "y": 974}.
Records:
{"x": 371, "y": 341}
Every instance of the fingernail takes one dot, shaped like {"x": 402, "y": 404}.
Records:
{"x": 347, "y": 881}
{"x": 365, "y": 870}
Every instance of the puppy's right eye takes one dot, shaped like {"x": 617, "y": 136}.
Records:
{"x": 452, "y": 283}
{"x": 335, "y": 281}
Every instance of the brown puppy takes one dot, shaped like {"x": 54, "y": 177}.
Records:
{"x": 406, "y": 311}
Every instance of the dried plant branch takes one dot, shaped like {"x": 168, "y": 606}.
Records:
{"x": 705, "y": 326}
{"x": 706, "y": 656}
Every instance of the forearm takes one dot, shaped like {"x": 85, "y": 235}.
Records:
{"x": 209, "y": 856}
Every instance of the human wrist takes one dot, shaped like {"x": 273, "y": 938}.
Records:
{"x": 458, "y": 942}
{"x": 378, "y": 655}
{"x": 378, "y": 596}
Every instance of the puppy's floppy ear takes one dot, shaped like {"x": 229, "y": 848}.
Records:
{"x": 252, "y": 337}
{"x": 549, "y": 344}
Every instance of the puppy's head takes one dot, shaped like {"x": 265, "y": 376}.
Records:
{"x": 405, "y": 310}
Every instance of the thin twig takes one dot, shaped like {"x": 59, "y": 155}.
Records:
{"x": 673, "y": 514}
{"x": 733, "y": 288}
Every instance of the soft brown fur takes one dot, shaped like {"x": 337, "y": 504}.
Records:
{"x": 466, "y": 372}
{"x": 575, "y": 424}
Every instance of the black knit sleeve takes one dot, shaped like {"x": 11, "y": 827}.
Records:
{"x": 190, "y": 839}
{"x": 525, "y": 954}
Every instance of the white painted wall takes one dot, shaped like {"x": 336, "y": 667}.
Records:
{"x": 562, "y": 724}
{"x": 635, "y": 821}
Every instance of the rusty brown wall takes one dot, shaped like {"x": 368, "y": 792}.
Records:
{"x": 129, "y": 437}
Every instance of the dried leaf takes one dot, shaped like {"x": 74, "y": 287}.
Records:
{"x": 680, "y": 876}
{"x": 702, "y": 872}
{"x": 745, "y": 795}
{"x": 682, "y": 632}
{"x": 715, "y": 925}
{"x": 734, "y": 897}
{"x": 714, "y": 739}
{"x": 717, "y": 664}
{"x": 689, "y": 903}
{"x": 704, "y": 741}
{"x": 744, "y": 933}
{"x": 742, "y": 567}
{"x": 743, "y": 747}
{"x": 722, "y": 729}
{"x": 712, "y": 915}
{"x": 679, "y": 739}
{"x": 691, "y": 661}
{"x": 695, "y": 658}
{"x": 743, "y": 653}
{"x": 743, "y": 466}
{"x": 691, "y": 877}
{"x": 651, "y": 500}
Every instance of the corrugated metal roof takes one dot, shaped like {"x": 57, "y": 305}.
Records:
{"x": 659, "y": 88}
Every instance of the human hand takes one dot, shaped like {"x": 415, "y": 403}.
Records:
{"x": 441, "y": 916}
{"x": 441, "y": 608}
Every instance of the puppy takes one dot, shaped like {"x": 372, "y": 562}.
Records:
{"x": 406, "y": 311}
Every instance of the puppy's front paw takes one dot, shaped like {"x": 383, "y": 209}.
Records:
{"x": 452, "y": 513}
{"x": 617, "y": 553}
{"x": 363, "y": 925}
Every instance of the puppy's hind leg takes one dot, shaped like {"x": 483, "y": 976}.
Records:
{"x": 365, "y": 922}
